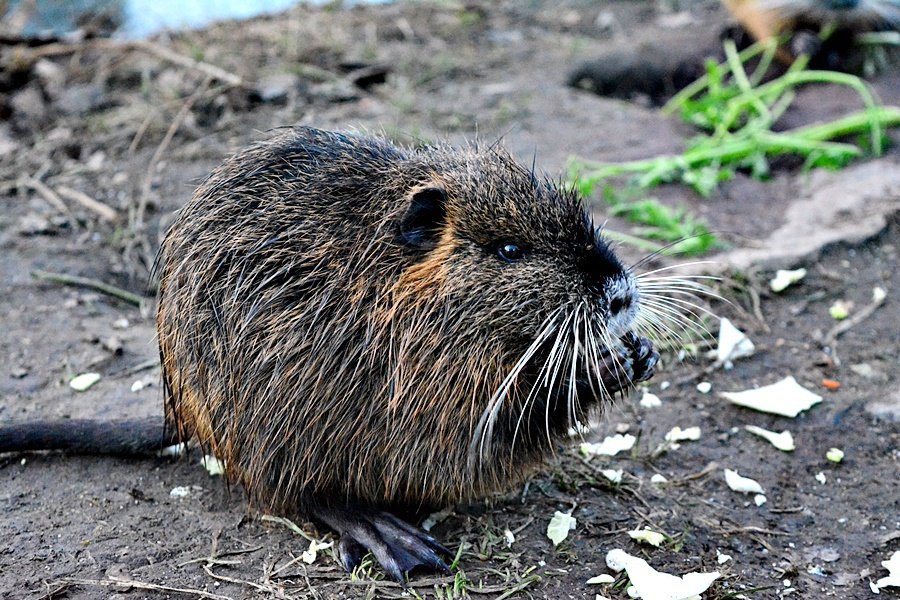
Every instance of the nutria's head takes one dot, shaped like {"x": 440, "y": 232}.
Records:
{"x": 512, "y": 276}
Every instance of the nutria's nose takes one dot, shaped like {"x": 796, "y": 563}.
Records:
{"x": 619, "y": 303}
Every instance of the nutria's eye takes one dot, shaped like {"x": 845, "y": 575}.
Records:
{"x": 510, "y": 252}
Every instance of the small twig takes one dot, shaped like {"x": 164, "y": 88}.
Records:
{"x": 518, "y": 588}
{"x": 853, "y": 321}
{"x": 105, "y": 212}
{"x": 161, "y": 52}
{"x": 58, "y": 590}
{"x": 263, "y": 588}
{"x": 521, "y": 528}
{"x": 757, "y": 307}
{"x": 141, "y": 366}
{"x": 215, "y": 558}
{"x": 92, "y": 284}
{"x": 187, "y": 62}
{"x": 294, "y": 560}
{"x": 792, "y": 509}
{"x": 117, "y": 581}
{"x": 290, "y": 525}
{"x": 51, "y": 197}
{"x": 700, "y": 474}
{"x": 160, "y": 150}
{"x": 752, "y": 529}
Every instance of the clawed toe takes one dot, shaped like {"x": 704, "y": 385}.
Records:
{"x": 645, "y": 358}
{"x": 397, "y": 546}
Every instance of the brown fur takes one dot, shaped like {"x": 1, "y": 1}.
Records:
{"x": 325, "y": 360}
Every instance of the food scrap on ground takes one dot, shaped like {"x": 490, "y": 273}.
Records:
{"x": 560, "y": 526}
{"x": 742, "y": 484}
{"x": 784, "y": 278}
{"x": 648, "y": 536}
{"x": 81, "y": 383}
{"x": 650, "y": 584}
{"x": 786, "y": 398}
{"x": 733, "y": 344}
{"x": 784, "y": 441}
{"x": 610, "y": 446}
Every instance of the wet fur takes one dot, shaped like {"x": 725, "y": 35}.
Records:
{"x": 306, "y": 343}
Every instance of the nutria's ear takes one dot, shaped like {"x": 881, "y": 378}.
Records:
{"x": 421, "y": 224}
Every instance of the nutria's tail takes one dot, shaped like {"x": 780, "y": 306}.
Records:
{"x": 126, "y": 437}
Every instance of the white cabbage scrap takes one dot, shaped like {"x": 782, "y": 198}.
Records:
{"x": 82, "y": 382}
{"x": 213, "y": 465}
{"x": 742, "y": 484}
{"x": 784, "y": 278}
{"x": 649, "y": 584}
{"x": 893, "y": 579}
{"x": 650, "y": 400}
{"x": 733, "y": 343}
{"x": 614, "y": 475}
{"x": 509, "y": 537}
{"x": 835, "y": 455}
{"x": 309, "y": 555}
{"x": 677, "y": 434}
{"x": 610, "y": 446}
{"x": 560, "y": 526}
{"x": 784, "y": 441}
{"x": 786, "y": 398}
{"x": 648, "y": 536}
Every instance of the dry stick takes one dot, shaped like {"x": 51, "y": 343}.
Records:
{"x": 832, "y": 335}
{"x": 846, "y": 324}
{"x": 92, "y": 284}
{"x": 263, "y": 588}
{"x": 117, "y": 581}
{"x": 105, "y": 212}
{"x": 142, "y": 45}
{"x": 160, "y": 149}
{"x": 137, "y": 214}
{"x": 49, "y": 195}
{"x": 60, "y": 589}
{"x": 187, "y": 62}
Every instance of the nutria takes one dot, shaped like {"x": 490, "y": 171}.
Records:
{"x": 356, "y": 328}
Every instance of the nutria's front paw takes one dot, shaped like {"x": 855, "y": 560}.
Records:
{"x": 642, "y": 355}
{"x": 397, "y": 546}
{"x": 636, "y": 362}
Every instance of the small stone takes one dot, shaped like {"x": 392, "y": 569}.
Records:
{"x": 80, "y": 99}
{"x": 887, "y": 409}
{"x": 113, "y": 345}
{"x": 84, "y": 381}
{"x": 18, "y": 373}
{"x": 275, "y": 89}
{"x": 34, "y": 224}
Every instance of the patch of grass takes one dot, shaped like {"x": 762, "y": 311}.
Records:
{"x": 685, "y": 234}
{"x": 737, "y": 112}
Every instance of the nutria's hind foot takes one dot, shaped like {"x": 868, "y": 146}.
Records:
{"x": 397, "y": 546}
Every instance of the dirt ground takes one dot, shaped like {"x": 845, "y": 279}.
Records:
{"x": 135, "y": 129}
